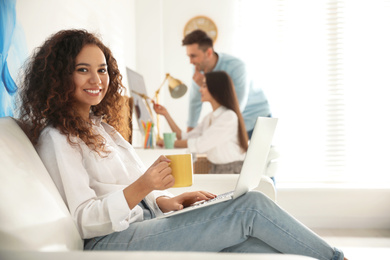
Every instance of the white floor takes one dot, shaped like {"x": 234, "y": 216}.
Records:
{"x": 359, "y": 244}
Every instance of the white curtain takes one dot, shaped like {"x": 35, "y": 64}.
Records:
{"x": 325, "y": 68}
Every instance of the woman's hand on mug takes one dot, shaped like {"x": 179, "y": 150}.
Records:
{"x": 158, "y": 176}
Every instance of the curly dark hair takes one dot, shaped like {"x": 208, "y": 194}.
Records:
{"x": 221, "y": 87}
{"x": 47, "y": 89}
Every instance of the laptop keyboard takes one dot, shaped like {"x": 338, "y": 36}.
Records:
{"x": 219, "y": 197}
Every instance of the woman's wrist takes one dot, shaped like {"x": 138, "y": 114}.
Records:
{"x": 136, "y": 191}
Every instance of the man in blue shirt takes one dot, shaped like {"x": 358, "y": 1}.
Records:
{"x": 253, "y": 102}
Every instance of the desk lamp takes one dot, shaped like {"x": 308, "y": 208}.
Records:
{"x": 176, "y": 88}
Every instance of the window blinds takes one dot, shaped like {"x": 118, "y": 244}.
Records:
{"x": 335, "y": 103}
{"x": 325, "y": 68}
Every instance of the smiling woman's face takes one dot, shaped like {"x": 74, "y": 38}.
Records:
{"x": 90, "y": 78}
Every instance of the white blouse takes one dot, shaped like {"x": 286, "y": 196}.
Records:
{"x": 216, "y": 136}
{"x": 92, "y": 186}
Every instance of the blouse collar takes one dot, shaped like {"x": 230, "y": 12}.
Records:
{"x": 96, "y": 120}
{"x": 219, "y": 111}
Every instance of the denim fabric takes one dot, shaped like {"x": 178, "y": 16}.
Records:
{"x": 251, "y": 223}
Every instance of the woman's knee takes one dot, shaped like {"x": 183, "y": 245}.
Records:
{"x": 256, "y": 199}
{"x": 256, "y": 196}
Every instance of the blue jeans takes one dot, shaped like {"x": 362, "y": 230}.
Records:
{"x": 251, "y": 223}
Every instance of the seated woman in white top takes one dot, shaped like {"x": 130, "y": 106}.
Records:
{"x": 221, "y": 134}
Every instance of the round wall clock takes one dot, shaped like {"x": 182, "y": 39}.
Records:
{"x": 203, "y": 23}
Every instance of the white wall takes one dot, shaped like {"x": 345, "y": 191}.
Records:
{"x": 113, "y": 20}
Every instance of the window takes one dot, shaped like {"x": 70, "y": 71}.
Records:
{"x": 325, "y": 67}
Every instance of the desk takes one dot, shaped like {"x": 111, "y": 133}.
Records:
{"x": 149, "y": 156}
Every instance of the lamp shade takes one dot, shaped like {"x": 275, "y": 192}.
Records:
{"x": 176, "y": 87}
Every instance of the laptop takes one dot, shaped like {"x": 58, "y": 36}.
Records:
{"x": 252, "y": 169}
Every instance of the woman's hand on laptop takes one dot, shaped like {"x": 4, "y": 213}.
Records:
{"x": 183, "y": 200}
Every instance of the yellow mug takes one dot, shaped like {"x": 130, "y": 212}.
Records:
{"x": 181, "y": 165}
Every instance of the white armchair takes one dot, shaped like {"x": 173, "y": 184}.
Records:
{"x": 36, "y": 224}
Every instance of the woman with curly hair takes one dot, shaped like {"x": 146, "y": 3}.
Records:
{"x": 50, "y": 93}
{"x": 69, "y": 110}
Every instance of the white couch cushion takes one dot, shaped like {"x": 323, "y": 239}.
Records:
{"x": 33, "y": 214}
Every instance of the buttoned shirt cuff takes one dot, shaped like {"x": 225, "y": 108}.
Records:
{"x": 191, "y": 144}
{"x": 120, "y": 214}
{"x": 184, "y": 135}
{"x": 158, "y": 194}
